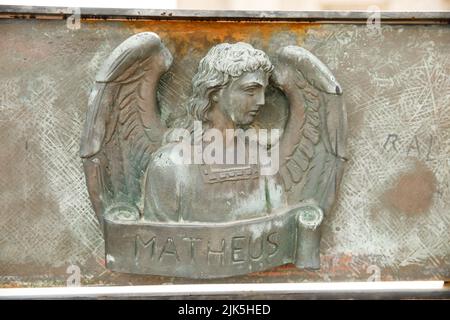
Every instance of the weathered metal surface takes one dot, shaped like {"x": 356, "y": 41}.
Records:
{"x": 199, "y": 196}
{"x": 391, "y": 218}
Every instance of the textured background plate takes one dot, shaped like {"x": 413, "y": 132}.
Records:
{"x": 392, "y": 217}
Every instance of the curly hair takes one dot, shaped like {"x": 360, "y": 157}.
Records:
{"x": 222, "y": 63}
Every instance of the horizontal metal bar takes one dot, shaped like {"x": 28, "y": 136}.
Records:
{"x": 37, "y": 12}
{"x": 366, "y": 290}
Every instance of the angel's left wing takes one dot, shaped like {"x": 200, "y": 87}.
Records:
{"x": 312, "y": 148}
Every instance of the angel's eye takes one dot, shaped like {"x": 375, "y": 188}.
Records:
{"x": 250, "y": 91}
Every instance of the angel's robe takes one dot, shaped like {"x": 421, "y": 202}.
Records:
{"x": 208, "y": 193}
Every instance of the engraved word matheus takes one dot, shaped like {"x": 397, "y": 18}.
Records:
{"x": 166, "y": 210}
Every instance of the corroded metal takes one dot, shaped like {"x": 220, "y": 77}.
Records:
{"x": 390, "y": 219}
{"x": 212, "y": 218}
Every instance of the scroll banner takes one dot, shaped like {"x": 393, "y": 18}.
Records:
{"x": 212, "y": 250}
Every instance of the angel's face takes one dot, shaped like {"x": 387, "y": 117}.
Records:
{"x": 243, "y": 97}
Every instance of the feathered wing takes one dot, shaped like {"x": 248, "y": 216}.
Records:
{"x": 312, "y": 148}
{"x": 123, "y": 126}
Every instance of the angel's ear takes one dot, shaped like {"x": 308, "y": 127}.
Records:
{"x": 214, "y": 94}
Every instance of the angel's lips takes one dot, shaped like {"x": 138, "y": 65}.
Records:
{"x": 253, "y": 112}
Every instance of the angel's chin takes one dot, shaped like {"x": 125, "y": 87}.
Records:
{"x": 245, "y": 120}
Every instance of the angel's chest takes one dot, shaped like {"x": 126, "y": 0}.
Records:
{"x": 236, "y": 191}
{"x": 220, "y": 174}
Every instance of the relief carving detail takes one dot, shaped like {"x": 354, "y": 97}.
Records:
{"x": 212, "y": 195}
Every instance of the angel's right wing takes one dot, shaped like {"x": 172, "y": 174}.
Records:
{"x": 123, "y": 125}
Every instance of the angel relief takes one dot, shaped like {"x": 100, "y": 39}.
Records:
{"x": 212, "y": 195}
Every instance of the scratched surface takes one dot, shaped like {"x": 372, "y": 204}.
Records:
{"x": 392, "y": 215}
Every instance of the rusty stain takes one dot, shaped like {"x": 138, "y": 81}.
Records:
{"x": 412, "y": 192}
{"x": 189, "y": 36}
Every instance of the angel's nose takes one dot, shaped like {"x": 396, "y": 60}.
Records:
{"x": 260, "y": 98}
